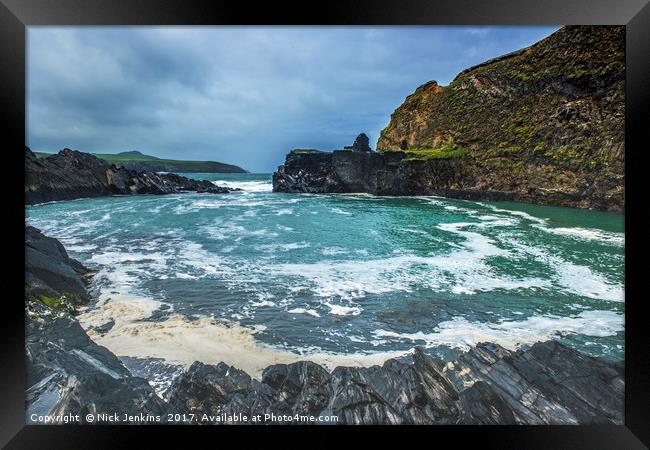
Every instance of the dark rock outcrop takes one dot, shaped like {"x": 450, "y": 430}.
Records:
{"x": 72, "y": 174}
{"x": 544, "y": 124}
{"x": 547, "y": 383}
{"x": 389, "y": 173}
{"x": 49, "y": 271}
{"x": 361, "y": 144}
{"x": 67, "y": 373}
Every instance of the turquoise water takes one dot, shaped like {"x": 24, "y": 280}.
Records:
{"x": 354, "y": 274}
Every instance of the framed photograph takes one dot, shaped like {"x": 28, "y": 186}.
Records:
{"x": 416, "y": 217}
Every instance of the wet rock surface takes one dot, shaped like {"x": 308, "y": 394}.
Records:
{"x": 50, "y": 271}
{"x": 547, "y": 383}
{"x": 71, "y": 174}
{"x": 67, "y": 373}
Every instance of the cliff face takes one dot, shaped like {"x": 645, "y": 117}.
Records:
{"x": 388, "y": 173}
{"x": 543, "y": 125}
{"x": 72, "y": 174}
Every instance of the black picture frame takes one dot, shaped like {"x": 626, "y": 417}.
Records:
{"x": 16, "y": 15}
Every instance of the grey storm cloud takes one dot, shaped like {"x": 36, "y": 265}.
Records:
{"x": 241, "y": 95}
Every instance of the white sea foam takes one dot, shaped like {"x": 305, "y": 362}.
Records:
{"x": 272, "y": 248}
{"x": 109, "y": 258}
{"x": 230, "y": 203}
{"x": 415, "y": 231}
{"x": 311, "y": 312}
{"x": 347, "y": 279}
{"x": 463, "y": 271}
{"x": 193, "y": 255}
{"x": 223, "y": 230}
{"x": 589, "y": 234}
{"x": 340, "y": 310}
{"x": 581, "y": 280}
{"x": 180, "y": 340}
{"x": 185, "y": 276}
{"x": 329, "y": 251}
{"x": 207, "y": 204}
{"x": 247, "y": 186}
{"x": 463, "y": 334}
{"x": 574, "y": 278}
{"x": 577, "y": 279}
{"x": 522, "y": 214}
{"x": 93, "y": 223}
{"x": 261, "y": 303}
{"x": 80, "y": 248}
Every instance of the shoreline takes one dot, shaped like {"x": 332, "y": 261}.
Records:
{"x": 183, "y": 341}
{"x": 180, "y": 340}
{"x": 488, "y": 384}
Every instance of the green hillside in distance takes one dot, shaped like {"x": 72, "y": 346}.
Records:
{"x": 136, "y": 160}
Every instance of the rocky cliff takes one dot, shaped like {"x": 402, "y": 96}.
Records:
{"x": 545, "y": 124}
{"x": 68, "y": 373}
{"x": 72, "y": 174}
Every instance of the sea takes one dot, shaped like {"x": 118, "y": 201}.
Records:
{"x": 253, "y": 278}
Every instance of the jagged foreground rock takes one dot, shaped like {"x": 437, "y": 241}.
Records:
{"x": 68, "y": 373}
{"x": 71, "y": 174}
{"x": 548, "y": 383}
{"x": 545, "y": 124}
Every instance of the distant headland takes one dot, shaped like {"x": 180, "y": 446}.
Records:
{"x": 135, "y": 160}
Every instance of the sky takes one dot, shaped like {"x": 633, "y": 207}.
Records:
{"x": 240, "y": 95}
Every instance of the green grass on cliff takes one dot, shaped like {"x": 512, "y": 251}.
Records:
{"x": 505, "y": 151}
{"x": 305, "y": 151}
{"x": 140, "y": 161}
{"x": 446, "y": 151}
